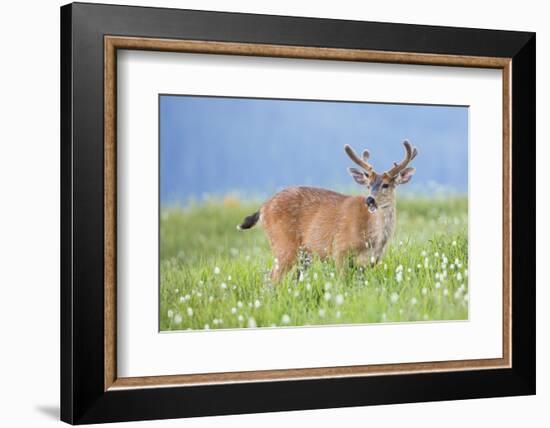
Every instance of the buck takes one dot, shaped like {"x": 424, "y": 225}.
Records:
{"x": 334, "y": 225}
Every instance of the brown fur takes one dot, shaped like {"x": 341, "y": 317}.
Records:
{"x": 326, "y": 223}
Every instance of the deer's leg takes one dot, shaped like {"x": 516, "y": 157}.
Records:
{"x": 365, "y": 259}
{"x": 345, "y": 258}
{"x": 340, "y": 260}
{"x": 284, "y": 260}
{"x": 284, "y": 247}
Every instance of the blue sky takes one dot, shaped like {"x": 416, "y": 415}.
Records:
{"x": 215, "y": 145}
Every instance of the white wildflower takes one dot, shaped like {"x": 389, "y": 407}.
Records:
{"x": 399, "y": 268}
{"x": 239, "y": 304}
{"x": 170, "y": 313}
{"x": 437, "y": 285}
{"x": 178, "y": 318}
{"x": 339, "y": 299}
{"x": 233, "y": 310}
{"x": 257, "y": 303}
{"x": 251, "y": 323}
{"x": 206, "y": 327}
{"x": 436, "y": 254}
{"x": 445, "y": 292}
{"x": 321, "y": 313}
{"x": 328, "y": 286}
{"x": 216, "y": 270}
{"x": 240, "y": 318}
{"x": 308, "y": 286}
{"x": 328, "y": 296}
{"x": 424, "y": 291}
{"x": 223, "y": 285}
{"x": 459, "y": 276}
{"x": 338, "y": 314}
{"x": 190, "y": 312}
{"x": 423, "y": 253}
{"x": 414, "y": 301}
{"x": 394, "y": 297}
{"x": 285, "y": 319}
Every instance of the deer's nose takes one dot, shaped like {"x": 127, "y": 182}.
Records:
{"x": 370, "y": 200}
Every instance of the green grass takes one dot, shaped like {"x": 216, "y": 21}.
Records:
{"x": 213, "y": 276}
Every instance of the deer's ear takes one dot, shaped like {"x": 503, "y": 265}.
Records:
{"x": 405, "y": 176}
{"x": 360, "y": 177}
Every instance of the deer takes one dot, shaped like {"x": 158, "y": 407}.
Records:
{"x": 331, "y": 224}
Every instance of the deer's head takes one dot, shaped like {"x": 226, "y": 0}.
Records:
{"x": 381, "y": 187}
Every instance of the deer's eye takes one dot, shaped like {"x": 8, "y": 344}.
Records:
{"x": 385, "y": 186}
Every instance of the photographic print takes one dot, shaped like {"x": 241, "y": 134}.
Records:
{"x": 293, "y": 213}
{"x": 324, "y": 189}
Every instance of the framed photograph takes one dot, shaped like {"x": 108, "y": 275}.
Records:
{"x": 265, "y": 213}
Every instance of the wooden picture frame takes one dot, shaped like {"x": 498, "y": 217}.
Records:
{"x": 91, "y": 390}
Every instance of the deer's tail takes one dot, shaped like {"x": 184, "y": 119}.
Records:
{"x": 249, "y": 221}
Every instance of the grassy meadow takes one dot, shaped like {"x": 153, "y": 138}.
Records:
{"x": 213, "y": 276}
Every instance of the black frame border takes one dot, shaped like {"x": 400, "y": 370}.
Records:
{"x": 83, "y": 399}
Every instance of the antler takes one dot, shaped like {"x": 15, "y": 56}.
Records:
{"x": 410, "y": 154}
{"x": 361, "y": 162}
